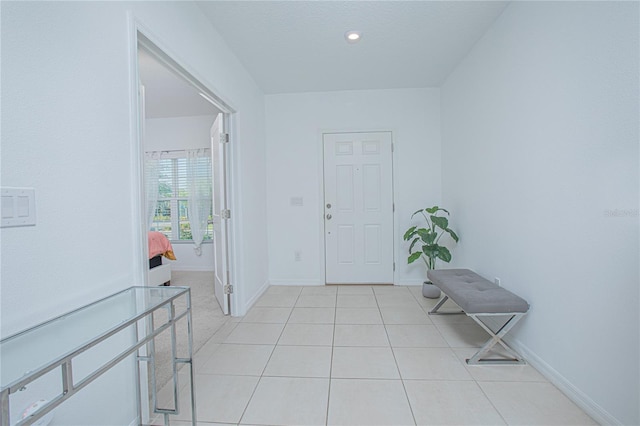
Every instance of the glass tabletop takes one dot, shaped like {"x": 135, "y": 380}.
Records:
{"x": 31, "y": 350}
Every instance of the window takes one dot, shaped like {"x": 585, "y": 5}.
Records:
{"x": 172, "y": 209}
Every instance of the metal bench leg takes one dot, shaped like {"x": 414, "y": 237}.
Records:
{"x": 441, "y": 302}
{"x": 496, "y": 338}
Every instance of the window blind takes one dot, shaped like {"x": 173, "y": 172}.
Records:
{"x": 172, "y": 212}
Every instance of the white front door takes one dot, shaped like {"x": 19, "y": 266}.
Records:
{"x": 220, "y": 243}
{"x": 358, "y": 208}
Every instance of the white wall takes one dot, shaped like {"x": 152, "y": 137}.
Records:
{"x": 295, "y": 123}
{"x": 540, "y": 146}
{"x": 178, "y": 133}
{"x": 182, "y": 133}
{"x": 66, "y": 131}
{"x": 187, "y": 260}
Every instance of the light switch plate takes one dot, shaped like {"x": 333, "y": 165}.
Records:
{"x": 18, "y": 207}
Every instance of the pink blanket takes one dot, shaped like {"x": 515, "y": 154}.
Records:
{"x": 159, "y": 244}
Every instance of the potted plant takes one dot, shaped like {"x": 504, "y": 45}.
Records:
{"x": 425, "y": 243}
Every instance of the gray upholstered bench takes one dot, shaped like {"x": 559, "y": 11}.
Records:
{"x": 479, "y": 297}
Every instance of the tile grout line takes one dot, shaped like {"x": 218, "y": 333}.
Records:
{"x": 479, "y": 381}
{"x": 433, "y": 323}
{"x": 333, "y": 340}
{"x": 489, "y": 399}
{"x": 406, "y": 395}
{"x": 244, "y": 412}
{"x": 466, "y": 368}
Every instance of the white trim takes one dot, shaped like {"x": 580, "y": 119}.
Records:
{"x": 254, "y": 299}
{"x": 412, "y": 283}
{"x": 294, "y": 282}
{"x": 171, "y": 60}
{"x": 583, "y": 401}
{"x": 152, "y": 44}
{"x": 321, "y": 230}
{"x": 394, "y": 221}
{"x": 139, "y": 244}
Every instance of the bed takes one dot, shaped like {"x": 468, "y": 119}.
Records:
{"x": 159, "y": 247}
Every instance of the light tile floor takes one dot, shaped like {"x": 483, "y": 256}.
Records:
{"x": 361, "y": 355}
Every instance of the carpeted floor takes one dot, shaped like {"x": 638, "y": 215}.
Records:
{"x": 207, "y": 318}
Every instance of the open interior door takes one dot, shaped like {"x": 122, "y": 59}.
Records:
{"x": 219, "y": 143}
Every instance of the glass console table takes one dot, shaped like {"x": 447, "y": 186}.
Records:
{"x": 105, "y": 332}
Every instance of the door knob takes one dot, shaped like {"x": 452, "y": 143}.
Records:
{"x": 329, "y": 216}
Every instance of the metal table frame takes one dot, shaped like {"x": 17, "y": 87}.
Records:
{"x": 143, "y": 347}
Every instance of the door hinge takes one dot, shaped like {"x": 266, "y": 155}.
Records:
{"x": 224, "y": 137}
{"x": 393, "y": 207}
{"x": 228, "y": 289}
{"x": 392, "y": 147}
{"x": 225, "y": 214}
{"x": 394, "y": 266}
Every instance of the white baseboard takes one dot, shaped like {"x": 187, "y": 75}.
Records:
{"x": 583, "y": 401}
{"x": 296, "y": 282}
{"x": 409, "y": 282}
{"x": 289, "y": 282}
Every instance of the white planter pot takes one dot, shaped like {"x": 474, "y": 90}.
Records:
{"x": 430, "y": 291}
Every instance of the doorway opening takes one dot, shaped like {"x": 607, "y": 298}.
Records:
{"x": 183, "y": 140}
{"x": 183, "y": 175}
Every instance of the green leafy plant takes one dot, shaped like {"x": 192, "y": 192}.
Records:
{"x": 424, "y": 241}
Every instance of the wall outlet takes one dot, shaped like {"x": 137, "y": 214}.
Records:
{"x": 297, "y": 255}
{"x": 497, "y": 281}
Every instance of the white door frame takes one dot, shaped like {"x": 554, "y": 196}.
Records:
{"x": 152, "y": 46}
{"x": 321, "y": 209}
{"x": 140, "y": 34}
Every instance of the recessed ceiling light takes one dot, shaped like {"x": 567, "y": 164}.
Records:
{"x": 352, "y": 36}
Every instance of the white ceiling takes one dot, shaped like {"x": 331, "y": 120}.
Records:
{"x": 299, "y": 46}
{"x": 167, "y": 94}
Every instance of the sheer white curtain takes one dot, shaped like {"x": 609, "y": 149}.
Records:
{"x": 151, "y": 175}
{"x": 200, "y": 203}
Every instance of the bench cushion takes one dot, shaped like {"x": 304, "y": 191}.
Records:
{"x": 475, "y": 294}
